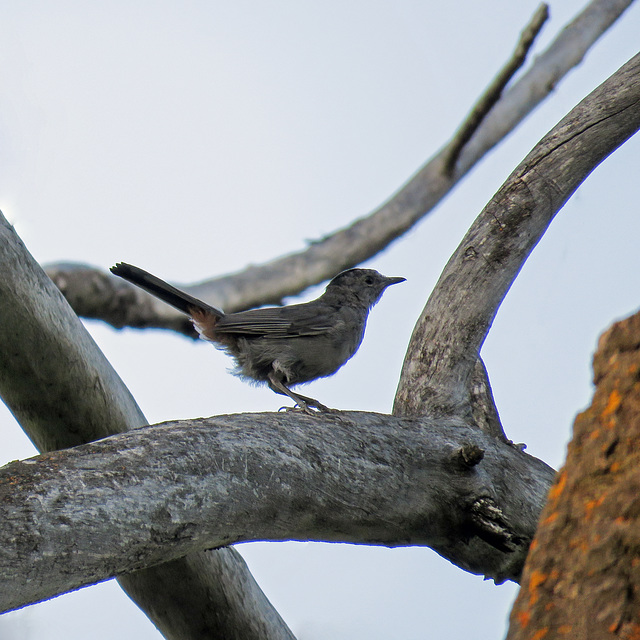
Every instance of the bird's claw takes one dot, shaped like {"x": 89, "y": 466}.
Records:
{"x": 311, "y": 409}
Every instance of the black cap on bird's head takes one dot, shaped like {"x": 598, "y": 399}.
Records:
{"x": 367, "y": 285}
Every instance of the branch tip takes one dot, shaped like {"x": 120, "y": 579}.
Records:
{"x": 468, "y": 456}
{"x": 495, "y": 88}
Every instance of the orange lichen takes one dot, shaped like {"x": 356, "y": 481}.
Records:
{"x": 559, "y": 485}
{"x": 590, "y": 505}
{"x": 579, "y": 543}
{"x": 550, "y": 518}
{"x": 632, "y": 632}
{"x": 565, "y": 629}
{"x": 540, "y": 633}
{"x": 523, "y": 618}
{"x": 614, "y": 401}
{"x": 535, "y": 580}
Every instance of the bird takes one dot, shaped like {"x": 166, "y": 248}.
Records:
{"x": 282, "y": 346}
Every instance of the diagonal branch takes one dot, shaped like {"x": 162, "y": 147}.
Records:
{"x": 63, "y": 392}
{"x": 93, "y": 293}
{"x": 495, "y": 89}
{"x": 454, "y": 323}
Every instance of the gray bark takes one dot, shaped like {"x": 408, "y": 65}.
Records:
{"x": 54, "y": 379}
{"x": 210, "y": 594}
{"x": 437, "y": 374}
{"x": 64, "y": 392}
{"x": 93, "y": 293}
{"x": 154, "y": 494}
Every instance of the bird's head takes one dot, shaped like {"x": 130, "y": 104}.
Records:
{"x": 364, "y": 286}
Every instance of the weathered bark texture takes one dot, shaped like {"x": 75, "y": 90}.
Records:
{"x": 64, "y": 392}
{"x": 77, "y": 516}
{"x": 96, "y": 296}
{"x": 582, "y": 577}
{"x": 437, "y": 373}
{"x": 184, "y": 599}
{"x": 54, "y": 379}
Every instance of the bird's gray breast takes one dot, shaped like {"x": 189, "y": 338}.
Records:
{"x": 321, "y": 355}
{"x": 304, "y": 358}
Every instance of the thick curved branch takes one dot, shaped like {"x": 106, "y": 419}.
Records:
{"x": 483, "y": 406}
{"x": 269, "y": 283}
{"x": 81, "y": 515}
{"x": 436, "y": 375}
{"x": 54, "y": 379}
{"x": 63, "y": 392}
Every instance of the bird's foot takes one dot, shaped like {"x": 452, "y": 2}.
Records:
{"x": 311, "y": 408}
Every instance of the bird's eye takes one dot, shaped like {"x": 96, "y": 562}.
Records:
{"x": 368, "y": 280}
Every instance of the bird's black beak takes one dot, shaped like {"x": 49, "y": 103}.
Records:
{"x": 390, "y": 281}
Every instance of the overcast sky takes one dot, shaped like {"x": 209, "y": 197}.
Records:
{"x": 195, "y": 138}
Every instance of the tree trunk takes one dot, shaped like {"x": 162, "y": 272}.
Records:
{"x": 582, "y": 577}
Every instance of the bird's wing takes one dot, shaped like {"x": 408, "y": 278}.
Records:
{"x": 277, "y": 322}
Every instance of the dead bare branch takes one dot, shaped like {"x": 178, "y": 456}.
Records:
{"x": 63, "y": 392}
{"x": 81, "y": 515}
{"x": 288, "y": 275}
{"x": 495, "y": 89}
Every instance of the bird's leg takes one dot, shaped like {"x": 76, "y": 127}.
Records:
{"x": 304, "y": 402}
{"x": 312, "y": 402}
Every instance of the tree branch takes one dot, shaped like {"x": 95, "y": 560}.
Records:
{"x": 565, "y": 52}
{"x": 495, "y": 89}
{"x": 442, "y": 354}
{"x": 81, "y": 515}
{"x": 286, "y": 276}
{"x": 483, "y": 407}
{"x": 63, "y": 392}
{"x": 186, "y": 598}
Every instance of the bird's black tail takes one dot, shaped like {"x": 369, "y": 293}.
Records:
{"x": 163, "y": 290}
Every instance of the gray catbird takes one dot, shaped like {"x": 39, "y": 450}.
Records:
{"x": 282, "y": 346}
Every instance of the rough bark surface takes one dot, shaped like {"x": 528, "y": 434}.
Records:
{"x": 582, "y": 577}
{"x": 54, "y": 379}
{"x": 173, "y": 595}
{"x": 64, "y": 392}
{"x": 81, "y": 515}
